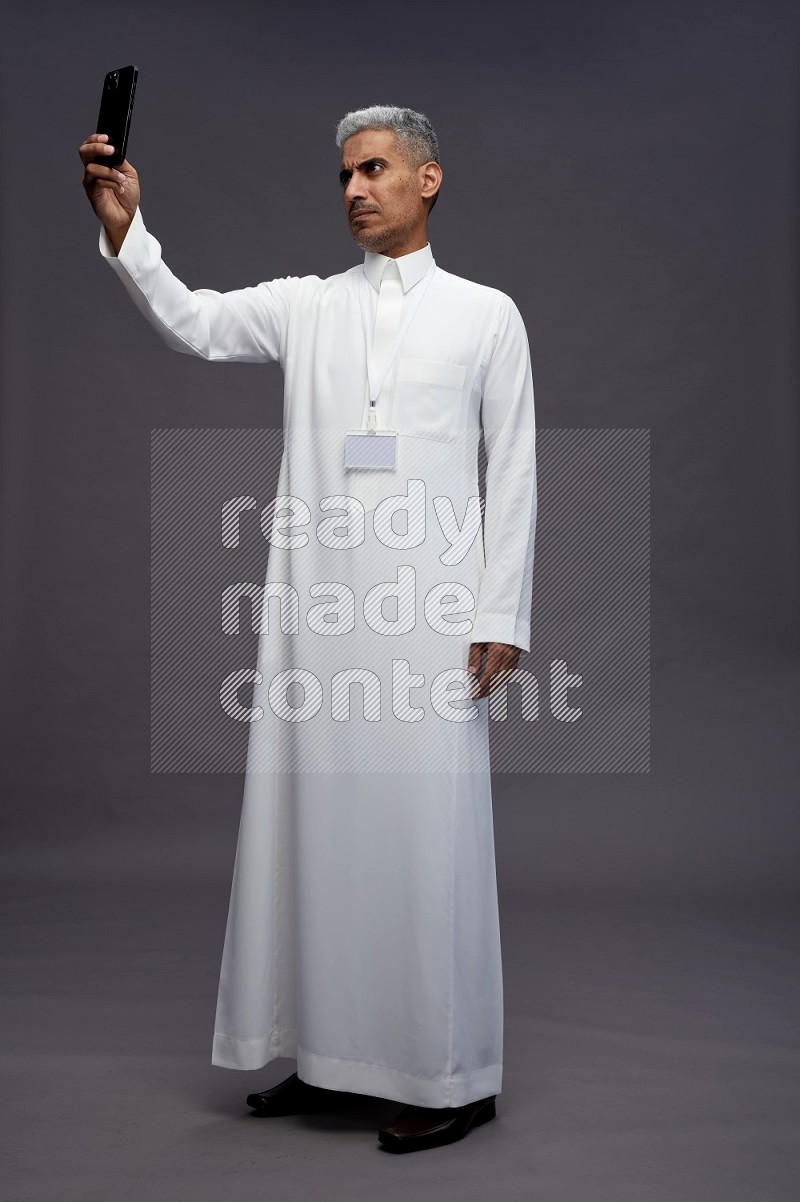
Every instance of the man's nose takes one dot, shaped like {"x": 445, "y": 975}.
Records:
{"x": 355, "y": 189}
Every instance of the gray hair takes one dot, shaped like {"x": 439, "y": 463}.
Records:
{"x": 415, "y": 135}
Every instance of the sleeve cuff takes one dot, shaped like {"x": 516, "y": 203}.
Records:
{"x": 502, "y": 628}
{"x": 130, "y": 246}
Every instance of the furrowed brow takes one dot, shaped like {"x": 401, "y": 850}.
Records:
{"x": 345, "y": 173}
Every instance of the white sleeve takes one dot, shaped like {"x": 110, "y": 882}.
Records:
{"x": 503, "y": 612}
{"x": 248, "y": 325}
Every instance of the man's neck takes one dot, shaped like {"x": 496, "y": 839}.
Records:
{"x": 408, "y": 248}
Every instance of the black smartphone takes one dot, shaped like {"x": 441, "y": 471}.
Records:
{"x": 116, "y": 106}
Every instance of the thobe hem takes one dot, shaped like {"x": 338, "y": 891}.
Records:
{"x": 356, "y": 1076}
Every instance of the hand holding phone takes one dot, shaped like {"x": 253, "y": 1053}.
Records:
{"x": 110, "y": 182}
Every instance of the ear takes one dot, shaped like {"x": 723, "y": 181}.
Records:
{"x": 430, "y": 177}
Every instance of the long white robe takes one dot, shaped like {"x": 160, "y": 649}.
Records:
{"x": 363, "y": 935}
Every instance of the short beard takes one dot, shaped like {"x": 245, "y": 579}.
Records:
{"x": 382, "y": 243}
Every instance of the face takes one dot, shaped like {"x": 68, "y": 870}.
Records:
{"x": 383, "y": 194}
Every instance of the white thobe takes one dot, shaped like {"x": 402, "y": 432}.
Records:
{"x": 362, "y": 934}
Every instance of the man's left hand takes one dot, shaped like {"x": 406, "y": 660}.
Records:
{"x": 501, "y": 659}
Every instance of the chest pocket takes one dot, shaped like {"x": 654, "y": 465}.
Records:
{"x": 428, "y": 397}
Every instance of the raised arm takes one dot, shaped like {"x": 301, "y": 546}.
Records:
{"x": 245, "y": 325}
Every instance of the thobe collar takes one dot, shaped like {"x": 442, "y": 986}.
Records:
{"x": 412, "y": 267}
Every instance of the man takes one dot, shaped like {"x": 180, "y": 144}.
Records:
{"x": 363, "y": 935}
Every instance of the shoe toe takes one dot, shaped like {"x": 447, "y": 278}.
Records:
{"x": 418, "y": 1127}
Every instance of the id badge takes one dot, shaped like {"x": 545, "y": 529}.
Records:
{"x": 364, "y": 450}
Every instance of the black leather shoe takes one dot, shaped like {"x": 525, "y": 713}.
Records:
{"x": 293, "y": 1096}
{"x": 418, "y": 1127}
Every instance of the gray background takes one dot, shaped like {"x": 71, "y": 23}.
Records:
{"x": 628, "y": 174}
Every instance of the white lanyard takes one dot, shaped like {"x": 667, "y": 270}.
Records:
{"x": 375, "y": 386}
